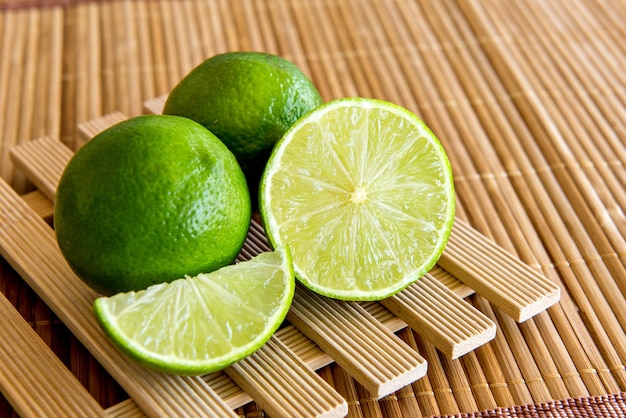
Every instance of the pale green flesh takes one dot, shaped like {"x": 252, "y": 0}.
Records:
{"x": 201, "y": 324}
{"x": 363, "y": 197}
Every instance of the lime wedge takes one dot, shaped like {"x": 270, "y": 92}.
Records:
{"x": 362, "y": 192}
{"x": 201, "y": 324}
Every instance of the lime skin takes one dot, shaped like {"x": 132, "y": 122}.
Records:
{"x": 150, "y": 200}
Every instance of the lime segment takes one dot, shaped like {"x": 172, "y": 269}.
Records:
{"x": 201, "y": 324}
{"x": 362, "y": 192}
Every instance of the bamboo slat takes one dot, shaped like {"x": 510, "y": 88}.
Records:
{"x": 45, "y": 157}
{"x": 268, "y": 376}
{"x": 361, "y": 345}
{"x": 32, "y": 377}
{"x": 427, "y": 304}
{"x": 517, "y": 289}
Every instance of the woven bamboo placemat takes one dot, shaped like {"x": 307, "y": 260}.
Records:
{"x": 527, "y": 97}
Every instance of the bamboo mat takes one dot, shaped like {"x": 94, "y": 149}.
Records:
{"x": 528, "y": 98}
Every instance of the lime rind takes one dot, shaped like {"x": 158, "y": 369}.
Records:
{"x": 157, "y": 334}
{"x": 306, "y": 242}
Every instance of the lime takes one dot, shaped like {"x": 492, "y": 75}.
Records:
{"x": 248, "y": 100}
{"x": 197, "y": 325}
{"x": 362, "y": 192}
{"x": 148, "y": 200}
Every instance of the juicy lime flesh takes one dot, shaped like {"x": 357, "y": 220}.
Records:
{"x": 248, "y": 100}
{"x": 362, "y": 192}
{"x": 202, "y": 324}
{"x": 149, "y": 200}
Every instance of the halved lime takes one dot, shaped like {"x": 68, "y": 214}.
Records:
{"x": 362, "y": 192}
{"x": 201, "y": 324}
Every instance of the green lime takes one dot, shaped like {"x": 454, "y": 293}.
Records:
{"x": 362, "y": 192}
{"x": 148, "y": 200}
{"x": 248, "y": 100}
{"x": 197, "y": 325}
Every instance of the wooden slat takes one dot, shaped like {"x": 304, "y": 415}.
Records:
{"x": 427, "y": 305}
{"x": 360, "y": 344}
{"x": 90, "y": 128}
{"x": 155, "y": 105}
{"x": 43, "y": 161}
{"x": 40, "y": 204}
{"x": 516, "y": 288}
{"x": 267, "y": 373}
{"x": 32, "y": 377}
{"x": 29, "y": 245}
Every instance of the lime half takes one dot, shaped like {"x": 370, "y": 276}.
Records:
{"x": 201, "y": 324}
{"x": 362, "y": 192}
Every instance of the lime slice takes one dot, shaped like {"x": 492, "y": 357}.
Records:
{"x": 202, "y": 324}
{"x": 362, "y": 192}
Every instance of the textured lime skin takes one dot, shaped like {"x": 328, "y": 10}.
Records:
{"x": 248, "y": 100}
{"x": 149, "y": 200}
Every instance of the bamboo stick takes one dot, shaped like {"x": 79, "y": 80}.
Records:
{"x": 29, "y": 73}
{"x": 583, "y": 123}
{"x": 88, "y": 64}
{"x": 14, "y": 50}
{"x": 446, "y": 402}
{"x": 262, "y": 12}
{"x": 346, "y": 386}
{"x": 478, "y": 383}
{"x": 47, "y": 113}
{"x": 309, "y": 47}
{"x": 231, "y": 34}
{"x": 159, "y": 68}
{"x": 290, "y": 40}
{"x": 607, "y": 24}
{"x": 144, "y": 73}
{"x": 211, "y": 32}
{"x": 171, "y": 60}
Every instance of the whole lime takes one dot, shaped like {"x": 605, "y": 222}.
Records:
{"x": 150, "y": 200}
{"x": 248, "y": 100}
